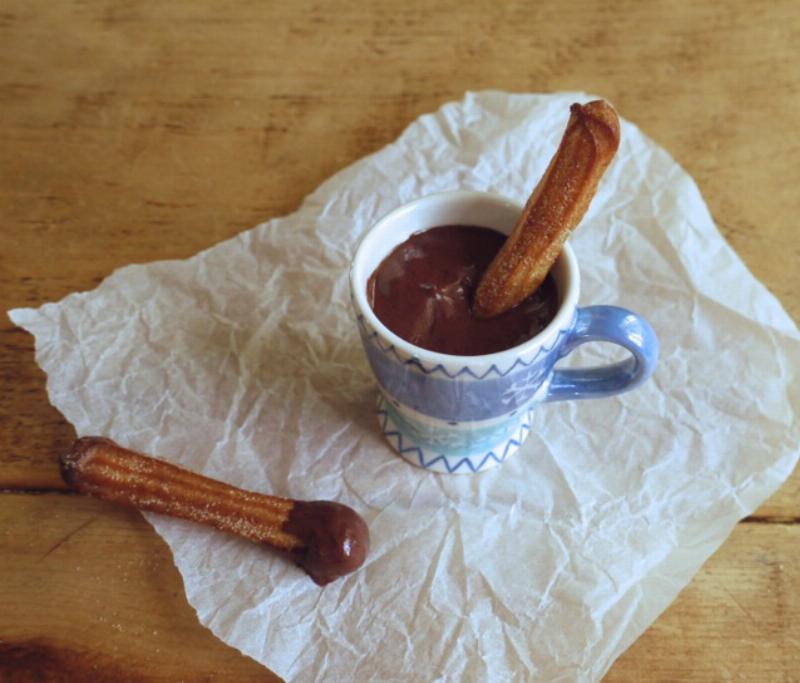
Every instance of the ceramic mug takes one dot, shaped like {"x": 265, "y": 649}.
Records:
{"x": 457, "y": 414}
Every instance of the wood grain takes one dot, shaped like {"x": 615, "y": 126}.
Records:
{"x": 90, "y": 593}
{"x": 736, "y": 621}
{"x": 136, "y": 132}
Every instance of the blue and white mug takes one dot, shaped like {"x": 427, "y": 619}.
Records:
{"x": 466, "y": 414}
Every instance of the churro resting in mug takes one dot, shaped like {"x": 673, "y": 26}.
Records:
{"x": 555, "y": 208}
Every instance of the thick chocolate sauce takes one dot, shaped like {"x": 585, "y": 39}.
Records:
{"x": 423, "y": 292}
{"x": 337, "y": 539}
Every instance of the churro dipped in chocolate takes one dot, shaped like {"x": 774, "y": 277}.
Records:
{"x": 327, "y": 539}
{"x": 555, "y": 208}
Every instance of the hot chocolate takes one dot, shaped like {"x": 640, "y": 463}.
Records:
{"x": 423, "y": 291}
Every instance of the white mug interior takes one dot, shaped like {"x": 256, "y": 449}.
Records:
{"x": 455, "y": 208}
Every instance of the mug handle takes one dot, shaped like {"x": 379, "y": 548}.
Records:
{"x": 607, "y": 324}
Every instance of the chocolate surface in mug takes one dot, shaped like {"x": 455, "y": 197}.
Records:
{"x": 423, "y": 290}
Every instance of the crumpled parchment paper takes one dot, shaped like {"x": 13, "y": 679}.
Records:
{"x": 244, "y": 363}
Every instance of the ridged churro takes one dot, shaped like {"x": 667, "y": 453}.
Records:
{"x": 555, "y": 208}
{"x": 327, "y": 539}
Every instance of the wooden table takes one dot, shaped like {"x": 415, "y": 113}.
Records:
{"x": 141, "y": 131}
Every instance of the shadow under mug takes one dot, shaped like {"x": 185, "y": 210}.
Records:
{"x": 466, "y": 414}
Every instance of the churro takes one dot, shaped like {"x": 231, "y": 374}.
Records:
{"x": 327, "y": 539}
{"x": 555, "y": 208}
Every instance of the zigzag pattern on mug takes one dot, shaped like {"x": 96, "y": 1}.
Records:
{"x": 512, "y": 443}
{"x": 373, "y": 337}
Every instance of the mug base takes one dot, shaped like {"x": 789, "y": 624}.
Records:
{"x": 433, "y": 460}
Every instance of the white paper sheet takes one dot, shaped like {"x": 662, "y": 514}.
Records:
{"x": 244, "y": 363}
